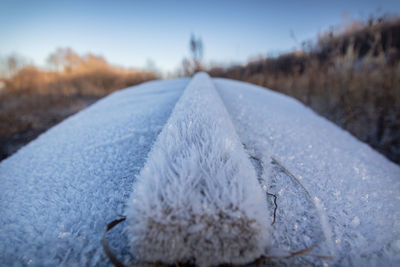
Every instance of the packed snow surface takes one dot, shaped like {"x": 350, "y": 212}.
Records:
{"x": 334, "y": 193}
{"x": 198, "y": 199}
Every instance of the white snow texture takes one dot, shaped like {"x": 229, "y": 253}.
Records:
{"x": 193, "y": 180}
{"x": 198, "y": 199}
{"x": 58, "y": 193}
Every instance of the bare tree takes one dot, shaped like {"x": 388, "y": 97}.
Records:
{"x": 193, "y": 65}
{"x": 55, "y": 60}
{"x": 12, "y": 64}
{"x": 196, "y": 49}
{"x": 71, "y": 59}
{"x": 64, "y": 59}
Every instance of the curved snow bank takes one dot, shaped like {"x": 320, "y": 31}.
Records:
{"x": 354, "y": 190}
{"x": 198, "y": 199}
{"x": 58, "y": 193}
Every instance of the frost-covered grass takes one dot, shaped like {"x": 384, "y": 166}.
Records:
{"x": 197, "y": 199}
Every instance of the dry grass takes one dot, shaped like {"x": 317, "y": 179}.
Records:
{"x": 33, "y": 100}
{"x": 353, "y": 79}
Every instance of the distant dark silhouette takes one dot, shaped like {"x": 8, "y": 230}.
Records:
{"x": 193, "y": 65}
{"x": 196, "y": 49}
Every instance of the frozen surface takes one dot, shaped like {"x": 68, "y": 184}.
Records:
{"x": 197, "y": 199}
{"x": 58, "y": 193}
{"x": 334, "y": 192}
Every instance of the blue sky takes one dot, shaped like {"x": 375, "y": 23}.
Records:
{"x": 129, "y": 33}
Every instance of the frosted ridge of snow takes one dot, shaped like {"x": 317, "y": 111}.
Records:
{"x": 58, "y": 193}
{"x": 355, "y": 190}
{"x": 197, "y": 199}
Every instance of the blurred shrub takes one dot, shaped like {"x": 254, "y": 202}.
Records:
{"x": 351, "y": 78}
{"x": 32, "y": 99}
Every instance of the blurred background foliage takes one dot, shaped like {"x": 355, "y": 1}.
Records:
{"x": 33, "y": 99}
{"x": 350, "y": 76}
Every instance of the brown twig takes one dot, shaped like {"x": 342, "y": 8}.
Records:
{"x": 305, "y": 251}
{"x": 114, "y": 260}
{"x": 291, "y": 175}
{"x": 269, "y": 194}
{"x": 276, "y": 206}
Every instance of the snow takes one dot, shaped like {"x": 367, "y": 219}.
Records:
{"x": 58, "y": 193}
{"x": 334, "y": 193}
{"x": 198, "y": 189}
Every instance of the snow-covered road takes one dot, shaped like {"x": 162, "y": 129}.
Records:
{"x": 334, "y": 193}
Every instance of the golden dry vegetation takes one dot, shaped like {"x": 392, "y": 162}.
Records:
{"x": 32, "y": 99}
{"x": 351, "y": 78}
